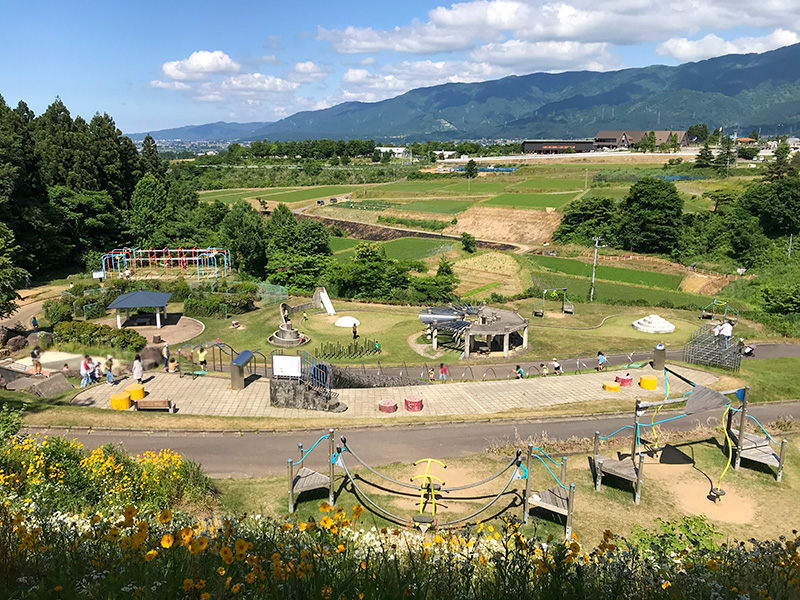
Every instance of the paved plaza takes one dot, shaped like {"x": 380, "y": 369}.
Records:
{"x": 213, "y": 396}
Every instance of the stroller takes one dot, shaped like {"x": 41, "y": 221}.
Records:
{"x": 746, "y": 350}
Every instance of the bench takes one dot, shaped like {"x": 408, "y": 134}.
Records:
{"x": 147, "y": 404}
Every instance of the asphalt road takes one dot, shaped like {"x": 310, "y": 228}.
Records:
{"x": 260, "y": 454}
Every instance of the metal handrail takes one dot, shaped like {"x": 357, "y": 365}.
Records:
{"x": 464, "y": 372}
{"x": 487, "y": 370}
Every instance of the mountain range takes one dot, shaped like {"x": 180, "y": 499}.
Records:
{"x": 739, "y": 92}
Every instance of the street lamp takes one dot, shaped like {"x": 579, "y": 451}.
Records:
{"x": 597, "y": 245}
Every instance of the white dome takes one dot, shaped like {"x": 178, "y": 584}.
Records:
{"x": 347, "y": 322}
{"x": 653, "y": 324}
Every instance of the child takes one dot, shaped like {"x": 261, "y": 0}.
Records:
{"x": 109, "y": 373}
{"x": 443, "y": 372}
{"x": 65, "y": 369}
{"x": 519, "y": 372}
{"x": 431, "y": 374}
{"x": 543, "y": 367}
{"x": 377, "y": 348}
{"x": 601, "y": 361}
{"x": 97, "y": 373}
{"x": 557, "y": 367}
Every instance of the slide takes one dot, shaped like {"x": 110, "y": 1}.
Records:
{"x": 326, "y": 302}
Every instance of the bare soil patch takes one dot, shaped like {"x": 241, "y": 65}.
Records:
{"x": 507, "y": 225}
{"x": 699, "y": 283}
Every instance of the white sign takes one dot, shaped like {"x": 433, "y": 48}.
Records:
{"x": 286, "y": 366}
{"x": 97, "y": 274}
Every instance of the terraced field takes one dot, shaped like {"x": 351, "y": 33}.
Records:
{"x": 550, "y": 184}
{"x": 408, "y": 248}
{"x": 531, "y": 200}
{"x": 232, "y": 195}
{"x": 444, "y": 207}
{"x": 616, "y": 274}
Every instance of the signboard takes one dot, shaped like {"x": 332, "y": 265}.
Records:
{"x": 97, "y": 274}
{"x": 286, "y": 366}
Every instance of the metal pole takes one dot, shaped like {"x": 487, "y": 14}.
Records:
{"x": 570, "y": 504}
{"x": 563, "y": 468}
{"x": 638, "y": 493}
{"x": 290, "y": 470}
{"x": 330, "y": 467}
{"x": 586, "y": 181}
{"x": 597, "y": 241}
{"x": 527, "y": 485}
{"x": 781, "y": 460}
{"x": 740, "y": 437}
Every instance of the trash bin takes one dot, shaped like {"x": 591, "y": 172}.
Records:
{"x": 237, "y": 369}
{"x": 659, "y": 357}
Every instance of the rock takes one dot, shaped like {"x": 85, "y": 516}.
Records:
{"x": 50, "y": 386}
{"x": 33, "y": 339}
{"x": 5, "y": 333}
{"x": 16, "y": 343}
{"x": 149, "y": 363}
{"x": 22, "y": 384}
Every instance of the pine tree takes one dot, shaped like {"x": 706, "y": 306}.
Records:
{"x": 705, "y": 158}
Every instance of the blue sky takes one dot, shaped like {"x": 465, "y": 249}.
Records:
{"x": 153, "y": 65}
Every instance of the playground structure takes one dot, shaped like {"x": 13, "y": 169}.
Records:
{"x": 698, "y": 399}
{"x": 220, "y": 356}
{"x": 153, "y": 262}
{"x": 729, "y": 314}
{"x": 705, "y": 348}
{"x": 559, "y": 499}
{"x": 465, "y": 322}
{"x": 567, "y": 307}
{"x": 286, "y": 336}
{"x": 305, "y": 479}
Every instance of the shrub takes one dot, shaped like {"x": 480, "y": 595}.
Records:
{"x": 85, "y": 333}
{"x": 57, "y": 311}
{"x": 429, "y": 224}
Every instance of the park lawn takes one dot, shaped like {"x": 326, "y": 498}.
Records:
{"x": 551, "y": 184}
{"x": 309, "y": 193}
{"x": 338, "y": 244}
{"x": 444, "y": 207}
{"x": 618, "y": 274}
{"x": 477, "y": 187}
{"x": 531, "y": 200}
{"x": 413, "y": 186}
{"x": 230, "y": 196}
{"x": 693, "y": 459}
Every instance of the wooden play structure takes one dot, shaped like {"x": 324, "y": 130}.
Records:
{"x": 305, "y": 479}
{"x": 559, "y": 499}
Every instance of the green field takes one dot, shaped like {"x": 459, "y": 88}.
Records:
{"x": 230, "y": 196}
{"x": 413, "y": 186}
{"x": 477, "y": 187}
{"x": 551, "y": 184}
{"x": 338, "y": 244}
{"x": 445, "y": 207}
{"x": 617, "y": 193}
{"x": 609, "y": 292}
{"x": 531, "y": 200}
{"x": 407, "y": 248}
{"x": 298, "y": 195}
{"x": 615, "y": 274}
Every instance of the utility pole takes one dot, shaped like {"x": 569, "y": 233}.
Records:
{"x": 597, "y": 245}
{"x": 791, "y": 235}
{"x": 586, "y": 181}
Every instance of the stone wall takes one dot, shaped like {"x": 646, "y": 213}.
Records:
{"x": 341, "y": 379}
{"x": 288, "y": 393}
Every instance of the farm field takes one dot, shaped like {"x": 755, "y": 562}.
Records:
{"x": 230, "y": 196}
{"x": 617, "y": 193}
{"x": 444, "y": 207}
{"x": 477, "y": 187}
{"x": 413, "y": 186}
{"x": 339, "y": 244}
{"x": 551, "y": 184}
{"x": 531, "y": 200}
{"x": 300, "y": 194}
{"x": 408, "y": 248}
{"x": 617, "y": 274}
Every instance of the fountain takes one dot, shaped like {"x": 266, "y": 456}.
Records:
{"x": 287, "y": 336}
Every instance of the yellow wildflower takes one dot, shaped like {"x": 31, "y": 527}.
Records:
{"x": 200, "y": 585}
{"x": 167, "y": 540}
{"x": 357, "y": 510}
{"x": 326, "y": 592}
{"x": 325, "y": 507}
{"x": 226, "y": 554}
{"x": 235, "y": 588}
{"x": 188, "y": 584}
{"x": 221, "y": 571}
{"x": 205, "y": 596}
{"x": 150, "y": 555}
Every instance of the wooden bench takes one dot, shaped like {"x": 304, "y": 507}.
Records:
{"x": 147, "y": 404}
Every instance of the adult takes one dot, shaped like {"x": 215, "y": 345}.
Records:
{"x": 3, "y": 383}
{"x": 601, "y": 361}
{"x": 443, "y": 372}
{"x": 84, "y": 370}
{"x": 36, "y": 355}
{"x": 557, "y": 367}
{"x": 202, "y": 356}
{"x": 165, "y": 354}
{"x": 355, "y": 332}
{"x": 726, "y": 331}
{"x": 137, "y": 369}
{"x": 520, "y": 374}
{"x": 109, "y": 367}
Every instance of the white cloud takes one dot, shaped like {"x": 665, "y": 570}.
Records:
{"x": 258, "y": 82}
{"x": 270, "y": 59}
{"x": 169, "y": 85}
{"x": 307, "y": 72}
{"x": 713, "y": 45}
{"x": 200, "y": 65}
{"x": 527, "y": 57}
{"x": 369, "y": 60}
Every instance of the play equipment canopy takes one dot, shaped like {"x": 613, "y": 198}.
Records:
{"x": 141, "y": 299}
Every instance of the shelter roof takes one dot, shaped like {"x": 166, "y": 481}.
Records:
{"x": 141, "y": 299}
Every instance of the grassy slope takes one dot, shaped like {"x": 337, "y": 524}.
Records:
{"x": 530, "y": 200}
{"x": 618, "y": 274}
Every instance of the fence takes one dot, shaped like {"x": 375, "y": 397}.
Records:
{"x": 355, "y": 349}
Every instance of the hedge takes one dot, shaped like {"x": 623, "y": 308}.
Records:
{"x": 93, "y": 334}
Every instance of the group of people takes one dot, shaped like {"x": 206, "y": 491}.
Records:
{"x": 443, "y": 372}
{"x": 92, "y": 372}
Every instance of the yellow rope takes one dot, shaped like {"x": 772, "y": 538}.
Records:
{"x": 730, "y": 446}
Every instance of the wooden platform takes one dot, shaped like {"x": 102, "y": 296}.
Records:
{"x": 555, "y": 499}
{"x": 306, "y": 480}
{"x": 749, "y": 441}
{"x": 763, "y": 455}
{"x": 624, "y": 469}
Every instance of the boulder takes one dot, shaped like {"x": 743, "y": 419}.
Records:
{"x": 33, "y": 339}
{"x": 50, "y": 386}
{"x": 16, "y": 343}
{"x": 22, "y": 384}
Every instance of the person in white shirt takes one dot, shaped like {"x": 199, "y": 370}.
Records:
{"x": 726, "y": 331}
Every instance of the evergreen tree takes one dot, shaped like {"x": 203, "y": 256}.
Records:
{"x": 780, "y": 166}
{"x": 726, "y": 158}
{"x": 10, "y": 275}
{"x": 705, "y": 158}
{"x": 242, "y": 232}
{"x": 651, "y": 218}
{"x": 150, "y": 161}
{"x": 148, "y": 213}
{"x": 106, "y": 155}
{"x": 53, "y": 134}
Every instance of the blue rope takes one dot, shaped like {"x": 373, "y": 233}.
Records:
{"x": 662, "y": 421}
{"x": 558, "y": 464}
{"x": 551, "y": 473}
{"x": 616, "y": 432}
{"x": 307, "y": 452}
{"x": 772, "y": 439}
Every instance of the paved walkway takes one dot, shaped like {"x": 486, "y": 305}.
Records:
{"x": 212, "y": 395}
